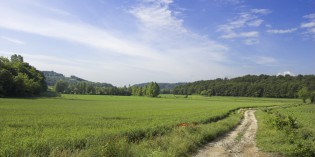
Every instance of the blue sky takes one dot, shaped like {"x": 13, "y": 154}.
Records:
{"x": 133, "y": 41}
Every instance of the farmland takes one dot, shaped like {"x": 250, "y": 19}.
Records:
{"x": 85, "y": 125}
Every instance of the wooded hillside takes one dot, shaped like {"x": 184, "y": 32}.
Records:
{"x": 251, "y": 86}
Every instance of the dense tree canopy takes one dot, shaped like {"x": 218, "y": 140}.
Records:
{"x": 18, "y": 78}
{"x": 251, "y": 86}
{"x": 152, "y": 90}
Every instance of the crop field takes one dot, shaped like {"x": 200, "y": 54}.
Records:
{"x": 84, "y": 125}
{"x": 288, "y": 130}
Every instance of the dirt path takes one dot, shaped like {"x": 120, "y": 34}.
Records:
{"x": 238, "y": 143}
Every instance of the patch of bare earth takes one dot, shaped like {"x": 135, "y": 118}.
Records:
{"x": 238, "y": 143}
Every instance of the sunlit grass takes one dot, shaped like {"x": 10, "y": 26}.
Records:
{"x": 95, "y": 125}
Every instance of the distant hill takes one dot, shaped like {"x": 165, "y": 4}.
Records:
{"x": 52, "y": 77}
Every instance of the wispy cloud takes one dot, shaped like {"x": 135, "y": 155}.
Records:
{"x": 281, "y": 31}
{"x": 251, "y": 34}
{"x": 309, "y": 25}
{"x": 250, "y": 19}
{"x": 16, "y": 41}
{"x": 163, "y": 17}
{"x": 262, "y": 60}
{"x": 309, "y": 16}
{"x": 255, "y": 23}
{"x": 261, "y": 11}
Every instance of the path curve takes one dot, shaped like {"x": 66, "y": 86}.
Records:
{"x": 238, "y": 143}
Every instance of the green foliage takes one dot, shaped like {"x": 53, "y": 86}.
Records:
{"x": 151, "y": 90}
{"x": 18, "y": 78}
{"x": 303, "y": 94}
{"x": 288, "y": 131}
{"x": 90, "y": 125}
{"x": 165, "y": 88}
{"x": 61, "y": 86}
{"x": 250, "y": 86}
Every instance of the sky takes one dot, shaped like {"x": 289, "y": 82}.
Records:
{"x": 124, "y": 42}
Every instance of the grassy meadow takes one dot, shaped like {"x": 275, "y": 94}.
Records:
{"x": 85, "y": 125}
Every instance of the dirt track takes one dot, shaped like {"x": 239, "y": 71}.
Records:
{"x": 238, "y": 143}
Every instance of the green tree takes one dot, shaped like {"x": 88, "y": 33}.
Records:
{"x": 61, "y": 86}
{"x": 153, "y": 89}
{"x": 303, "y": 94}
{"x": 17, "y": 58}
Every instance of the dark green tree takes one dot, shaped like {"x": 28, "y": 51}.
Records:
{"x": 153, "y": 89}
{"x": 61, "y": 86}
{"x": 303, "y": 94}
{"x": 18, "y": 78}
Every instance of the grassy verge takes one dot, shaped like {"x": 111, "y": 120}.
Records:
{"x": 186, "y": 139}
{"x": 287, "y": 131}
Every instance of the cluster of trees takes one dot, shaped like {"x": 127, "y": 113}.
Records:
{"x": 165, "y": 88}
{"x": 19, "y": 79}
{"x": 251, "y": 86}
{"x": 152, "y": 90}
{"x": 86, "y": 87}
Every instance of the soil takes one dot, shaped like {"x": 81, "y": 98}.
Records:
{"x": 238, "y": 143}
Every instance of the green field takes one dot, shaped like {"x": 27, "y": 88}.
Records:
{"x": 289, "y": 130}
{"x": 83, "y": 125}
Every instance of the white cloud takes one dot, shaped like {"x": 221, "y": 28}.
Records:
{"x": 310, "y": 16}
{"x": 16, "y": 41}
{"x": 251, "y": 34}
{"x": 286, "y": 73}
{"x": 238, "y": 27}
{"x": 309, "y": 26}
{"x": 281, "y": 31}
{"x": 157, "y": 15}
{"x": 260, "y": 11}
{"x": 255, "y": 23}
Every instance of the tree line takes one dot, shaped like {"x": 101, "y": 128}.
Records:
{"x": 19, "y": 79}
{"x": 251, "y": 86}
{"x": 151, "y": 90}
{"x": 90, "y": 88}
